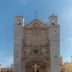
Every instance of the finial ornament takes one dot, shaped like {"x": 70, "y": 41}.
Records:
{"x": 46, "y": 23}
{"x": 53, "y": 14}
{"x": 36, "y": 14}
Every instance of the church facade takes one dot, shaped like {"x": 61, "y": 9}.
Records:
{"x": 36, "y": 45}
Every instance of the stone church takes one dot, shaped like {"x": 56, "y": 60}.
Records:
{"x": 36, "y": 45}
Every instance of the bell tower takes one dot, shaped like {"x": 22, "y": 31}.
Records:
{"x": 54, "y": 37}
{"x": 18, "y": 37}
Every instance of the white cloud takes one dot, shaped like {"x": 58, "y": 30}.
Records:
{"x": 5, "y": 59}
{"x": 67, "y": 59}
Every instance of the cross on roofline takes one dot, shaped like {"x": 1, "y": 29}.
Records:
{"x": 36, "y": 14}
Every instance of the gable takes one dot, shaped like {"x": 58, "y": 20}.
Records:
{"x": 36, "y": 23}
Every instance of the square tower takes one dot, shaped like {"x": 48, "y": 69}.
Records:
{"x": 18, "y": 38}
{"x": 54, "y": 37}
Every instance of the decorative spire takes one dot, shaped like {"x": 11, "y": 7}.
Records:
{"x": 53, "y": 14}
{"x": 36, "y": 14}
{"x": 46, "y": 23}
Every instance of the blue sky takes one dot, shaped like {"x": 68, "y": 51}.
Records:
{"x": 10, "y": 8}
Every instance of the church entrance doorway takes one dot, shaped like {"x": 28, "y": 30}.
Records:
{"x": 36, "y": 66}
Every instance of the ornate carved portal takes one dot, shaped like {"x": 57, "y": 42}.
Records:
{"x": 35, "y": 66}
